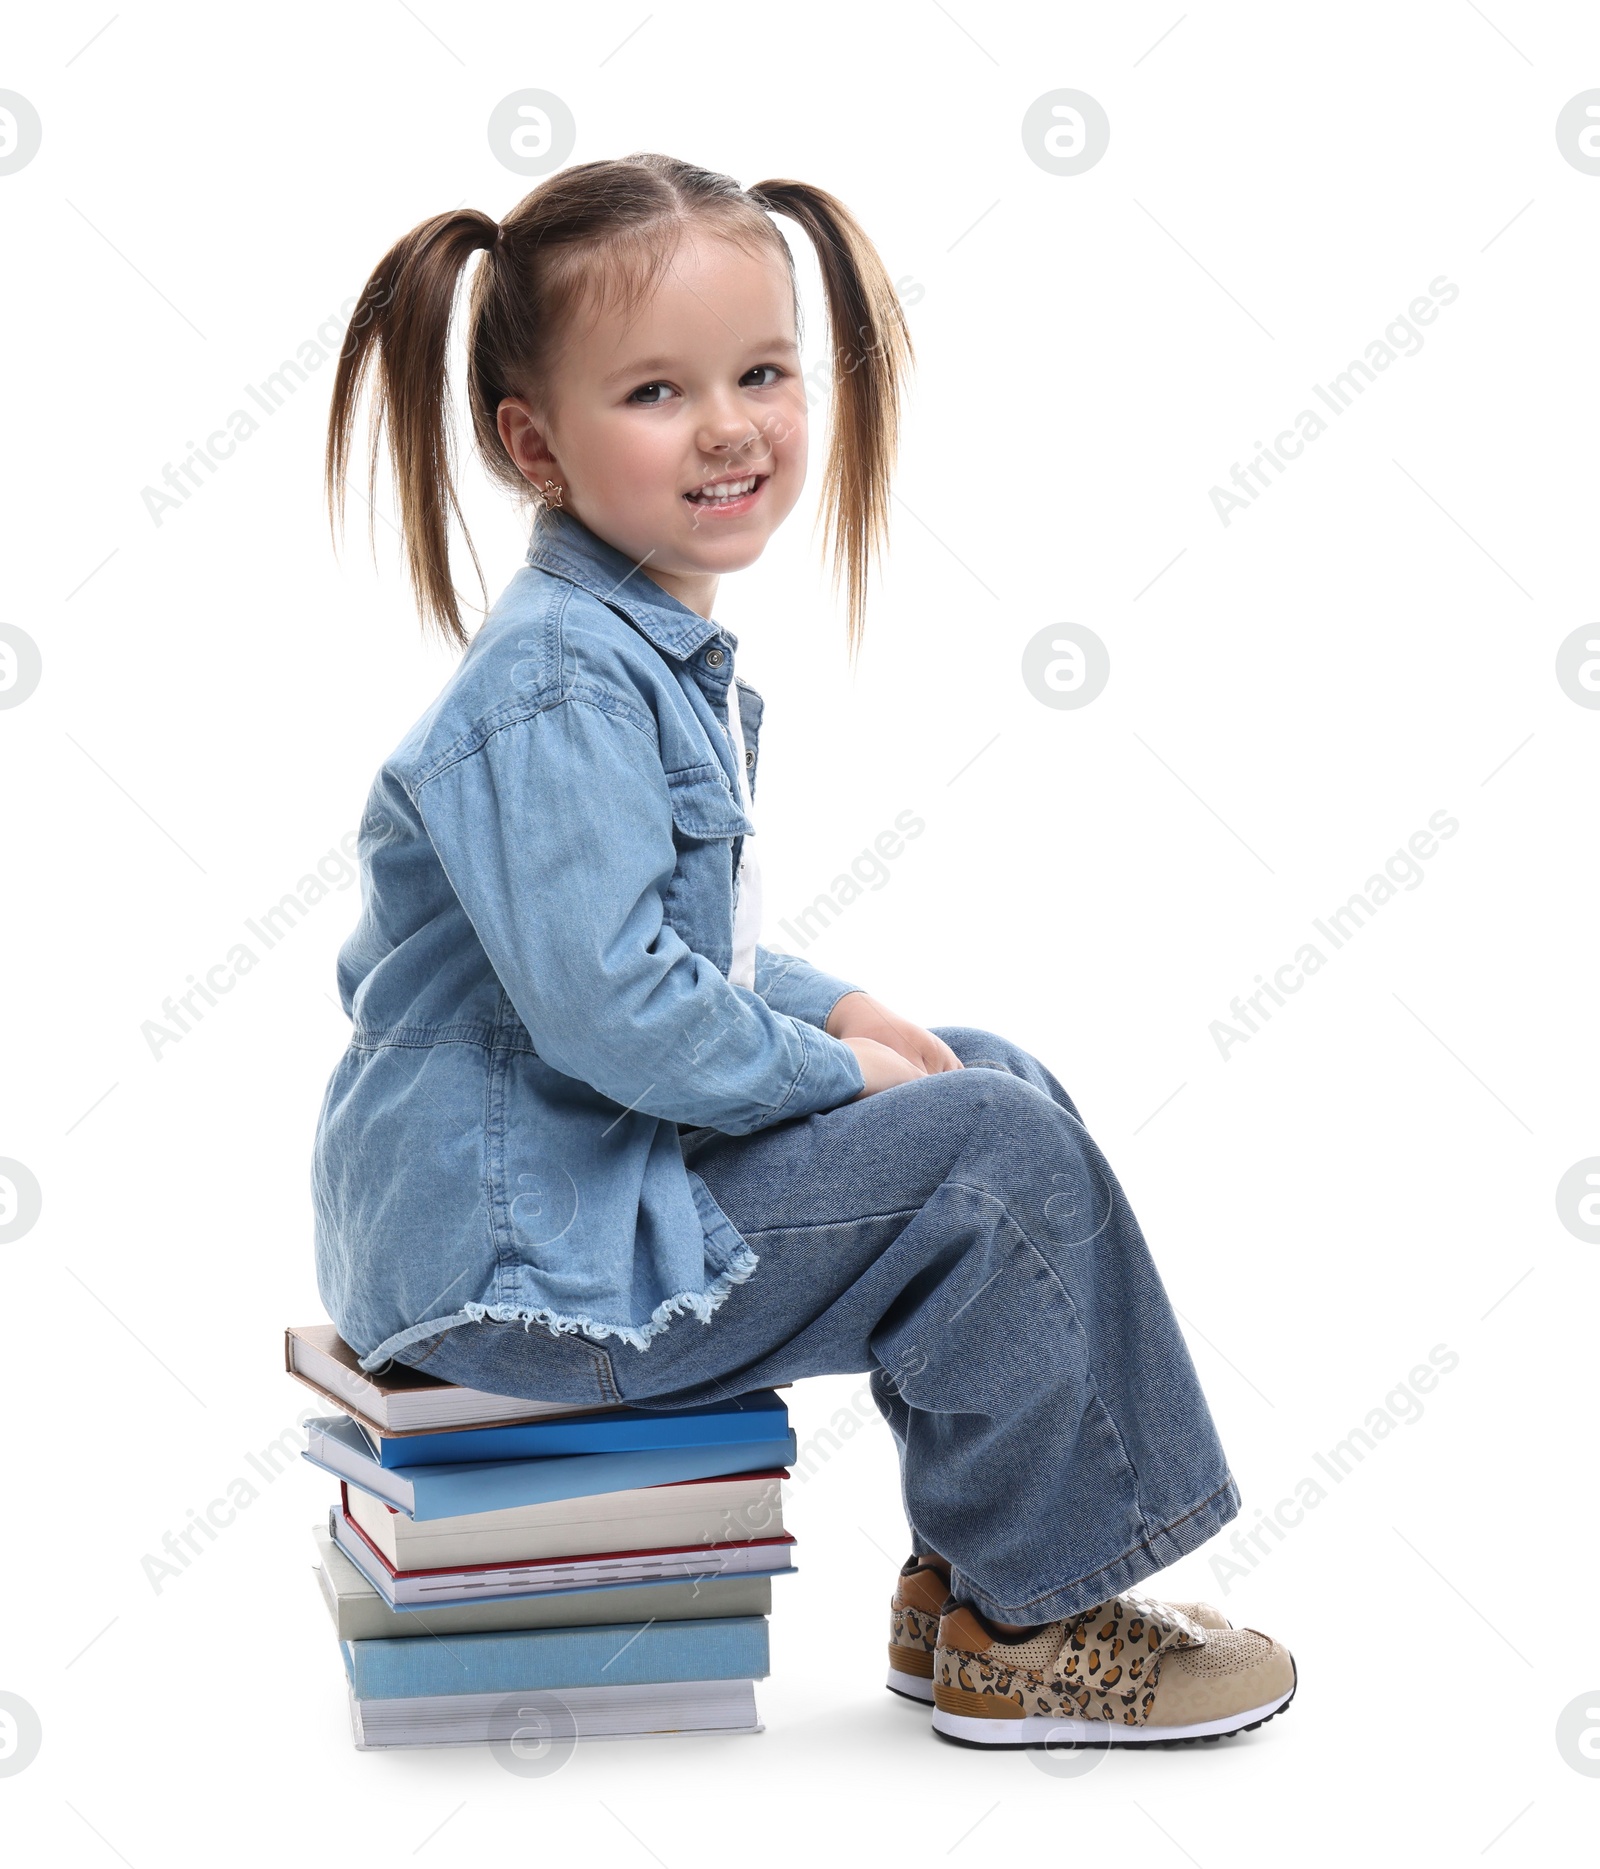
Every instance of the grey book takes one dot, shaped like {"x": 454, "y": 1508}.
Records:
{"x": 539, "y": 1726}
{"x": 360, "y": 1614}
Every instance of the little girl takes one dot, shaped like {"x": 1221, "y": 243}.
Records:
{"x": 592, "y": 1142}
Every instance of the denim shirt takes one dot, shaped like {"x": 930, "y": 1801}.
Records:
{"x": 538, "y": 983}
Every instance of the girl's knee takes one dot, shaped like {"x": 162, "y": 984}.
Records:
{"x": 1012, "y": 1140}
{"x": 999, "y": 1102}
{"x": 977, "y": 1048}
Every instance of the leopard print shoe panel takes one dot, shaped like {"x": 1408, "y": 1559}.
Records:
{"x": 1102, "y": 1664}
{"x": 912, "y": 1632}
{"x": 920, "y": 1594}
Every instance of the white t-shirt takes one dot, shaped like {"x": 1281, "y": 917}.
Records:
{"x": 747, "y": 884}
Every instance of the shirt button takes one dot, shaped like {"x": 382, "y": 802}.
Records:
{"x": 715, "y": 658}
{"x": 749, "y": 756}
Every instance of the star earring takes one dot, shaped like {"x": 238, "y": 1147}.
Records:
{"x": 549, "y": 495}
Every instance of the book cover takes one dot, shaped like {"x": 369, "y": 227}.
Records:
{"x": 668, "y": 1710}
{"x": 760, "y": 1416}
{"x": 476, "y": 1583}
{"x": 400, "y": 1400}
{"x": 722, "y": 1508}
{"x": 360, "y": 1612}
{"x": 612, "y": 1654}
{"x": 454, "y": 1489}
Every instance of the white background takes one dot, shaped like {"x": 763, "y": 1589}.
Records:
{"x": 1291, "y": 696}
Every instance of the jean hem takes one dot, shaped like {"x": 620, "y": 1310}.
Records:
{"x": 1164, "y": 1546}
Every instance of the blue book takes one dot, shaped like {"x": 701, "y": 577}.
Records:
{"x": 760, "y": 1416}
{"x": 605, "y": 1654}
{"x": 452, "y": 1489}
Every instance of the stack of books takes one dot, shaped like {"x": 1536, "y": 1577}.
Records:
{"x": 495, "y": 1566}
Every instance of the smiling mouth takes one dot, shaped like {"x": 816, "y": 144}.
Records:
{"x": 727, "y": 493}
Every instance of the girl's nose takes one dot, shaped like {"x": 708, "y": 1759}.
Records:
{"x": 725, "y": 428}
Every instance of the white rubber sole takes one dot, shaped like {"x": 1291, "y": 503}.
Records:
{"x": 913, "y": 1686}
{"x": 1037, "y": 1729}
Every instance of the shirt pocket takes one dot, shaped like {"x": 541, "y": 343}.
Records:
{"x": 707, "y": 819}
{"x": 704, "y": 805}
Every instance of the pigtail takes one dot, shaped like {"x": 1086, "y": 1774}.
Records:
{"x": 403, "y": 320}
{"x": 871, "y": 352}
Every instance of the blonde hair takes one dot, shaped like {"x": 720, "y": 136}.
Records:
{"x": 601, "y": 231}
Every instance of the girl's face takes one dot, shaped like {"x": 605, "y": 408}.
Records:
{"x": 649, "y": 422}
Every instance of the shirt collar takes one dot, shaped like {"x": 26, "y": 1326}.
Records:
{"x": 564, "y": 545}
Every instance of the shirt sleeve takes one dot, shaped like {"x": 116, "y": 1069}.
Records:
{"x": 556, "y": 836}
{"x": 789, "y": 984}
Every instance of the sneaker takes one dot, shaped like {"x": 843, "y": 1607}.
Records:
{"x": 920, "y": 1597}
{"x": 920, "y": 1594}
{"x": 1131, "y": 1671}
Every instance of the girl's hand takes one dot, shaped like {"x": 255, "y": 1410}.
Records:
{"x": 859, "y": 1015}
{"x": 881, "y": 1067}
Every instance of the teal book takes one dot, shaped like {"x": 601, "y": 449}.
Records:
{"x": 606, "y": 1654}
{"x": 457, "y": 1488}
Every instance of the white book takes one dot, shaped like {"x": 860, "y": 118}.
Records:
{"x": 729, "y": 1509}
{"x": 692, "y": 1567}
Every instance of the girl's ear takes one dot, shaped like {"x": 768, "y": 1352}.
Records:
{"x": 522, "y": 433}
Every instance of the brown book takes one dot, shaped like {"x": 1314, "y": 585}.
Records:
{"x": 405, "y": 1401}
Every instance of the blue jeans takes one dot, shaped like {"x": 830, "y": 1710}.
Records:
{"x": 963, "y": 1239}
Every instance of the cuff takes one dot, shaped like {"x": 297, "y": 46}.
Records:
{"x": 794, "y": 986}
{"x": 830, "y": 1075}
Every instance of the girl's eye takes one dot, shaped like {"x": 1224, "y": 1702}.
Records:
{"x": 653, "y": 395}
